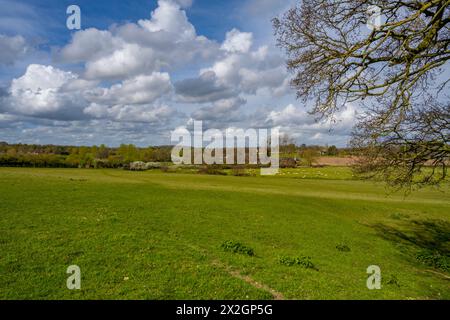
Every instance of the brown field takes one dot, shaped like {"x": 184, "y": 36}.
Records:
{"x": 335, "y": 161}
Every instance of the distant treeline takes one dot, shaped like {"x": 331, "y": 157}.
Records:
{"x": 54, "y": 156}
{"x": 31, "y": 155}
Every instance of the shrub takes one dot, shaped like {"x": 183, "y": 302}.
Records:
{"x": 237, "y": 247}
{"x": 434, "y": 259}
{"x": 302, "y": 261}
{"x": 288, "y": 163}
{"x": 393, "y": 280}
{"x": 343, "y": 247}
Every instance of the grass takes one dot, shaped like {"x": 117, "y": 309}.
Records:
{"x": 154, "y": 235}
{"x": 327, "y": 173}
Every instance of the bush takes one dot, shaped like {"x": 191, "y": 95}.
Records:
{"x": 393, "y": 280}
{"x": 343, "y": 247}
{"x": 237, "y": 247}
{"x": 302, "y": 261}
{"x": 288, "y": 163}
{"x": 434, "y": 259}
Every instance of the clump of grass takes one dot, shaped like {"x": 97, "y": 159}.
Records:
{"x": 237, "y": 247}
{"x": 393, "y": 280}
{"x": 302, "y": 261}
{"x": 434, "y": 259}
{"x": 343, "y": 247}
{"x": 399, "y": 216}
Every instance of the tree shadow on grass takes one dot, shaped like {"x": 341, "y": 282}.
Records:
{"x": 428, "y": 241}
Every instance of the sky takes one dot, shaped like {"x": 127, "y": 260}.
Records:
{"x": 138, "y": 70}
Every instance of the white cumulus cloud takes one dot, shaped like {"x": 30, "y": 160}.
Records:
{"x": 237, "y": 41}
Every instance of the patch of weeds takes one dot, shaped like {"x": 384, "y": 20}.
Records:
{"x": 393, "y": 280}
{"x": 302, "y": 261}
{"x": 343, "y": 247}
{"x": 434, "y": 259}
{"x": 237, "y": 247}
{"x": 399, "y": 216}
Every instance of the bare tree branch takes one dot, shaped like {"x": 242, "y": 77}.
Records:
{"x": 392, "y": 71}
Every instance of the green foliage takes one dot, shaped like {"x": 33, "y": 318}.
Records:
{"x": 237, "y": 247}
{"x": 302, "y": 261}
{"x": 435, "y": 259}
{"x": 21, "y": 155}
{"x": 343, "y": 247}
{"x": 393, "y": 281}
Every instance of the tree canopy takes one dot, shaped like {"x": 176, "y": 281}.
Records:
{"x": 395, "y": 71}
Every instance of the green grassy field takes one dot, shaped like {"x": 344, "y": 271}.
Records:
{"x": 154, "y": 235}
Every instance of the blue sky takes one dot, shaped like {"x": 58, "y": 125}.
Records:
{"x": 44, "y": 22}
{"x": 212, "y": 17}
{"x": 138, "y": 70}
